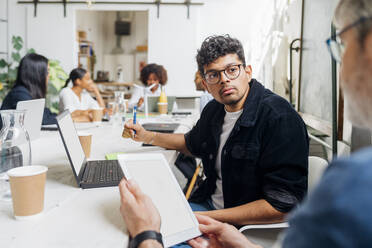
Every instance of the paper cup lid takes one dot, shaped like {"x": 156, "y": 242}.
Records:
{"x": 83, "y": 134}
{"x": 162, "y": 103}
{"x": 24, "y": 171}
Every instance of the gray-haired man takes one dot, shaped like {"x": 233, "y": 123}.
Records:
{"x": 338, "y": 213}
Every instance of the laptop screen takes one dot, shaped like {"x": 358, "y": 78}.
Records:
{"x": 34, "y": 115}
{"x": 71, "y": 141}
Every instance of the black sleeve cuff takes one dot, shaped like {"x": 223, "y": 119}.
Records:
{"x": 281, "y": 200}
{"x": 188, "y": 142}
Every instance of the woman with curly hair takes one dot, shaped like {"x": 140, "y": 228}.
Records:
{"x": 151, "y": 74}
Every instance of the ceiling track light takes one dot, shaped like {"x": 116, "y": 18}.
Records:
{"x": 90, "y": 3}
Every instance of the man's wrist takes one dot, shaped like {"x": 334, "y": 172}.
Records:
{"x": 141, "y": 239}
{"x": 150, "y": 243}
{"x": 151, "y": 138}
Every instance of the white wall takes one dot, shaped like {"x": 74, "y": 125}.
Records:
{"x": 173, "y": 39}
{"x": 52, "y": 35}
{"x": 172, "y": 43}
{"x": 3, "y": 27}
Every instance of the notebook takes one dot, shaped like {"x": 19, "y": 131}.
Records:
{"x": 33, "y": 117}
{"x": 88, "y": 174}
{"x": 155, "y": 178}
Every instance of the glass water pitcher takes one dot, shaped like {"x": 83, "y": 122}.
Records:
{"x": 15, "y": 147}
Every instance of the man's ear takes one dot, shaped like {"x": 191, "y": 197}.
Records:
{"x": 248, "y": 71}
{"x": 205, "y": 84}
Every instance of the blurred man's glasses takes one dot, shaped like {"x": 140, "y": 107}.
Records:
{"x": 231, "y": 72}
{"x": 334, "y": 43}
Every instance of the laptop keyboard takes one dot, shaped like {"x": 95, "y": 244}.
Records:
{"x": 102, "y": 171}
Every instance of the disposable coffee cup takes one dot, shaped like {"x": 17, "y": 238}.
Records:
{"x": 86, "y": 142}
{"x": 163, "y": 108}
{"x": 27, "y": 185}
{"x": 97, "y": 115}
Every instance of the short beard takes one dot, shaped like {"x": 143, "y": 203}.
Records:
{"x": 358, "y": 95}
{"x": 233, "y": 102}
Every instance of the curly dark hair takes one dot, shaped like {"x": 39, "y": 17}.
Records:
{"x": 158, "y": 70}
{"x": 217, "y": 46}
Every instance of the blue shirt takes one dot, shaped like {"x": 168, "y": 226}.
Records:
{"x": 205, "y": 98}
{"x": 339, "y": 211}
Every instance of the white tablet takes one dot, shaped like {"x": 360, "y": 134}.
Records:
{"x": 154, "y": 176}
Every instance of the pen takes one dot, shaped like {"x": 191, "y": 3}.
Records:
{"x": 134, "y": 116}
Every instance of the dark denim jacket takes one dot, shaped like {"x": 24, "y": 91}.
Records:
{"x": 265, "y": 156}
{"x": 20, "y": 93}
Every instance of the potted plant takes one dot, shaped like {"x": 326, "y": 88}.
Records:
{"x": 8, "y": 74}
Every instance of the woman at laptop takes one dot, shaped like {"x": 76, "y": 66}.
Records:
{"x": 31, "y": 83}
{"x": 77, "y": 99}
{"x": 151, "y": 74}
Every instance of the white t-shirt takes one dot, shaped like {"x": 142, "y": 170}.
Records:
{"x": 228, "y": 125}
{"x": 137, "y": 94}
{"x": 69, "y": 100}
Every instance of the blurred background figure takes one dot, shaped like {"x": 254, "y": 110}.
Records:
{"x": 77, "y": 99}
{"x": 205, "y": 97}
{"x": 151, "y": 74}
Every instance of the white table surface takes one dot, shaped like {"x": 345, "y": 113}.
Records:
{"x": 74, "y": 217}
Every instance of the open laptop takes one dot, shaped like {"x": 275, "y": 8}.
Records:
{"x": 33, "y": 117}
{"x": 88, "y": 174}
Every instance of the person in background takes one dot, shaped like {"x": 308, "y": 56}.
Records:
{"x": 78, "y": 99}
{"x": 205, "y": 96}
{"x": 31, "y": 83}
{"x": 337, "y": 213}
{"x": 151, "y": 74}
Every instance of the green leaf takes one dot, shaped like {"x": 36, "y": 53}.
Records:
{"x": 31, "y": 50}
{"x": 16, "y": 57}
{"x": 19, "y": 39}
{"x": 55, "y": 107}
{"x": 12, "y": 76}
{"x": 17, "y": 46}
{"x": 17, "y": 43}
{"x": 3, "y": 63}
{"x": 52, "y": 89}
{"x": 3, "y": 77}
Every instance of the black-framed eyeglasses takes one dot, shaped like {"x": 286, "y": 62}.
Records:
{"x": 335, "y": 46}
{"x": 231, "y": 72}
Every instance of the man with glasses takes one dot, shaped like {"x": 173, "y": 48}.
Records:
{"x": 253, "y": 144}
